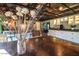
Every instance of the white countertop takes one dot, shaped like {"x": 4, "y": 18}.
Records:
{"x": 66, "y": 35}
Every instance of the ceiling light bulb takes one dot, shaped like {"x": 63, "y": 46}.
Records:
{"x": 61, "y": 8}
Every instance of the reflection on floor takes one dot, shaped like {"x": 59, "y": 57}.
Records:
{"x": 44, "y": 46}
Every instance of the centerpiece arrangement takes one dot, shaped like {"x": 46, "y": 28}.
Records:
{"x": 21, "y": 28}
{"x": 21, "y": 36}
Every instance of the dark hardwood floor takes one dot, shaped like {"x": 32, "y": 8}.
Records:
{"x": 43, "y": 46}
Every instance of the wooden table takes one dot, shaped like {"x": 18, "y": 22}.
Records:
{"x": 44, "y": 46}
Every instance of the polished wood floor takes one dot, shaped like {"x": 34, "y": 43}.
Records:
{"x": 44, "y": 46}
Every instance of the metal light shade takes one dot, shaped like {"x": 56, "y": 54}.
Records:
{"x": 25, "y": 11}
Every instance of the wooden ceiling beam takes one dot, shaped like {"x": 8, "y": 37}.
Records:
{"x": 68, "y": 7}
{"x": 76, "y": 7}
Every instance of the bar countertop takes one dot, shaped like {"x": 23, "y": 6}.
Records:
{"x": 65, "y": 35}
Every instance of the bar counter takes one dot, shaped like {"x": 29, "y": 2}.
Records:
{"x": 65, "y": 35}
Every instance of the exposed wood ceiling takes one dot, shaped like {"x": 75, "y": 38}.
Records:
{"x": 49, "y": 10}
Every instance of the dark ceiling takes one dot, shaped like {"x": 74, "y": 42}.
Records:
{"x": 49, "y": 10}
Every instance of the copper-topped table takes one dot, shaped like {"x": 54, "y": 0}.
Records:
{"x": 43, "y": 46}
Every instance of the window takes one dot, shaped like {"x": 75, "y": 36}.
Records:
{"x": 65, "y": 18}
{"x": 51, "y": 23}
{"x": 71, "y": 20}
{"x": 55, "y": 22}
{"x": 58, "y": 21}
{"x": 77, "y": 19}
{"x": 61, "y": 19}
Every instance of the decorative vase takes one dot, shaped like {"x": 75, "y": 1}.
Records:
{"x": 21, "y": 45}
